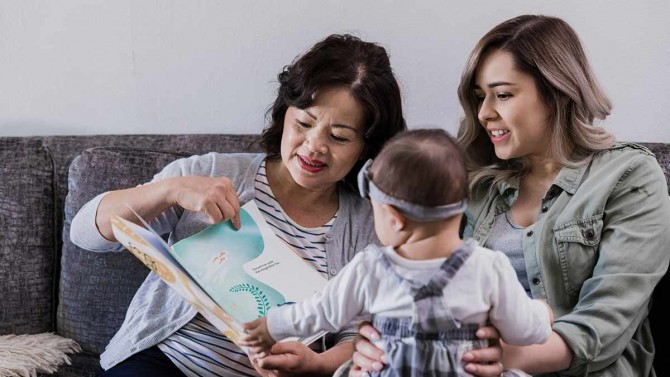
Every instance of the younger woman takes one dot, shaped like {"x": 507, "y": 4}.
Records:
{"x": 583, "y": 219}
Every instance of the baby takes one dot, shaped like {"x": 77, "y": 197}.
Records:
{"x": 427, "y": 290}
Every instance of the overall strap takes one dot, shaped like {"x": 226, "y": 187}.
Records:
{"x": 431, "y": 312}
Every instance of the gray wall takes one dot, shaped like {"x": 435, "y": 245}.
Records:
{"x": 207, "y": 66}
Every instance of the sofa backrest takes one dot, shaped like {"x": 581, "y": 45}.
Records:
{"x": 33, "y": 187}
{"x": 81, "y": 294}
{"x": 28, "y": 236}
{"x": 662, "y": 152}
{"x": 659, "y": 313}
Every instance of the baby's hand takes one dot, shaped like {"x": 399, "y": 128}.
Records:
{"x": 257, "y": 338}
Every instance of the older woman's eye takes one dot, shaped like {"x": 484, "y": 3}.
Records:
{"x": 302, "y": 124}
{"x": 339, "y": 138}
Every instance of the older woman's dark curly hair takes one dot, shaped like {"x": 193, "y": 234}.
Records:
{"x": 341, "y": 61}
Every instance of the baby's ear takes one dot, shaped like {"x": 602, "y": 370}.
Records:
{"x": 397, "y": 219}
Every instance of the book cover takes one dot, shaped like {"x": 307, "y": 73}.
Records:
{"x": 230, "y": 276}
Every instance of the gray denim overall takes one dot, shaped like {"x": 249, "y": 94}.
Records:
{"x": 433, "y": 342}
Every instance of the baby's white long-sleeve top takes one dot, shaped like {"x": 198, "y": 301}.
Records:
{"x": 485, "y": 289}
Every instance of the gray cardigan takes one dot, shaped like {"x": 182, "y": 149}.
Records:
{"x": 157, "y": 311}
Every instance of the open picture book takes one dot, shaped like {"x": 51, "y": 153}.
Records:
{"x": 230, "y": 276}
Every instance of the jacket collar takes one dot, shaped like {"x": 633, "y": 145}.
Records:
{"x": 568, "y": 179}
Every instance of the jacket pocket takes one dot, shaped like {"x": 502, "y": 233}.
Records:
{"x": 578, "y": 246}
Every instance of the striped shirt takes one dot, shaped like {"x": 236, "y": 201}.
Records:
{"x": 198, "y": 348}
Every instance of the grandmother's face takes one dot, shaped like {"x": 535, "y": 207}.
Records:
{"x": 321, "y": 144}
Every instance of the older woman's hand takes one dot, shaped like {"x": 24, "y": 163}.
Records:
{"x": 215, "y": 198}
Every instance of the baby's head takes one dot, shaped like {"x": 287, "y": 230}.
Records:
{"x": 421, "y": 174}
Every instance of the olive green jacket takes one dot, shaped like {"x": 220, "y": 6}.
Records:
{"x": 596, "y": 254}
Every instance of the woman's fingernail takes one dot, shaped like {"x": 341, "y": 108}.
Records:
{"x": 468, "y": 357}
{"x": 374, "y": 336}
{"x": 470, "y": 368}
{"x": 384, "y": 359}
{"x": 377, "y": 365}
{"x": 480, "y": 333}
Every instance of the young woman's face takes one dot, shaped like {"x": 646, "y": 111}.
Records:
{"x": 321, "y": 143}
{"x": 511, "y": 109}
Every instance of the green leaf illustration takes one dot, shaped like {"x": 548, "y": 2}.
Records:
{"x": 262, "y": 302}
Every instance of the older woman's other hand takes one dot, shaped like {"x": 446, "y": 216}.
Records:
{"x": 288, "y": 359}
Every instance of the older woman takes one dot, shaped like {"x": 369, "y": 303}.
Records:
{"x": 337, "y": 104}
{"x": 583, "y": 219}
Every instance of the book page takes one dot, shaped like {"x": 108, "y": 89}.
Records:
{"x": 247, "y": 271}
{"x": 149, "y": 248}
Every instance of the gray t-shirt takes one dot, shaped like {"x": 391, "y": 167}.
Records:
{"x": 508, "y": 238}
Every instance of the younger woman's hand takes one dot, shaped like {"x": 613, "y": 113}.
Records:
{"x": 485, "y": 362}
{"x": 215, "y": 198}
{"x": 367, "y": 356}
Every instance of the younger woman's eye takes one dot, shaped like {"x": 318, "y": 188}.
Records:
{"x": 504, "y": 96}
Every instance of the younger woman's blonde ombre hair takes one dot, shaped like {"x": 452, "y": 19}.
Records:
{"x": 549, "y": 50}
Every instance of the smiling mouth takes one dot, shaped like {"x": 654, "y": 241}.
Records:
{"x": 315, "y": 163}
{"x": 311, "y": 165}
{"x": 498, "y": 133}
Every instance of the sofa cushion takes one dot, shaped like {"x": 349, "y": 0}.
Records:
{"x": 96, "y": 288}
{"x": 27, "y": 237}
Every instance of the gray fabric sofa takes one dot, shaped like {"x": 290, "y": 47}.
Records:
{"x": 48, "y": 284}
